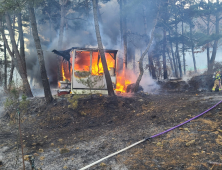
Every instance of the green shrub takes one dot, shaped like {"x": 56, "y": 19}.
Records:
{"x": 83, "y": 113}
{"x": 13, "y": 98}
{"x": 23, "y": 105}
{"x": 64, "y": 150}
{"x": 73, "y": 102}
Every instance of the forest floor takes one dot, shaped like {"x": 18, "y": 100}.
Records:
{"x": 60, "y": 137}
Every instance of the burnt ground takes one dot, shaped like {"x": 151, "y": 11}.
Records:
{"x": 60, "y": 137}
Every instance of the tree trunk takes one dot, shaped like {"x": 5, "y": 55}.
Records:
{"x": 44, "y": 77}
{"x": 164, "y": 55}
{"x": 98, "y": 12}
{"x": 159, "y": 72}
{"x": 124, "y": 38}
{"x": 11, "y": 53}
{"x": 101, "y": 51}
{"x": 62, "y": 23}
{"x": 142, "y": 57}
{"x": 171, "y": 62}
{"x": 192, "y": 47}
{"x": 146, "y": 33}
{"x": 213, "y": 56}
{"x": 60, "y": 42}
{"x": 5, "y": 57}
{"x": 145, "y": 20}
{"x": 174, "y": 62}
{"x": 165, "y": 18}
{"x": 12, "y": 57}
{"x": 184, "y": 60}
{"x": 121, "y": 20}
{"x": 151, "y": 66}
{"x": 50, "y": 27}
{"x": 6, "y": 42}
{"x": 19, "y": 62}
{"x": 11, "y": 75}
{"x": 176, "y": 59}
{"x": 208, "y": 44}
{"x": 123, "y": 33}
{"x": 177, "y": 52}
{"x": 21, "y": 37}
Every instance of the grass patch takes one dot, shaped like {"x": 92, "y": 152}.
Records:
{"x": 63, "y": 150}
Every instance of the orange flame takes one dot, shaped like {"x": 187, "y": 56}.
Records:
{"x": 122, "y": 82}
{"x": 82, "y": 62}
{"x": 59, "y": 84}
{"x": 97, "y": 67}
{"x": 65, "y": 73}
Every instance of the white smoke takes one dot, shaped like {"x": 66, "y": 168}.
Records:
{"x": 149, "y": 85}
{"x": 84, "y": 36}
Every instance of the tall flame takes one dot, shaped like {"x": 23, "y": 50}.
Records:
{"x": 122, "y": 82}
{"x": 97, "y": 66}
{"x": 65, "y": 73}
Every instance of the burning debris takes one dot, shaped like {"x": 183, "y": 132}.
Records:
{"x": 130, "y": 88}
{"x": 65, "y": 54}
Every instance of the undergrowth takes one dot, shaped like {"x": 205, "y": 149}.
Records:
{"x": 13, "y": 102}
{"x": 12, "y": 99}
{"x": 73, "y": 102}
{"x": 24, "y": 103}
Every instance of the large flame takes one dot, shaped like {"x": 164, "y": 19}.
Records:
{"x": 122, "y": 82}
{"x": 66, "y": 73}
{"x": 82, "y": 62}
{"x": 97, "y": 67}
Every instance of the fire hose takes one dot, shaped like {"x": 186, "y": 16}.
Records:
{"x": 148, "y": 138}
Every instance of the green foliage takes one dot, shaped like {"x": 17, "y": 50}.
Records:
{"x": 11, "y": 5}
{"x": 206, "y": 39}
{"x": 73, "y": 102}
{"x": 24, "y": 97}
{"x": 82, "y": 74}
{"x": 83, "y": 113}
{"x": 13, "y": 98}
{"x": 16, "y": 6}
{"x": 23, "y": 105}
{"x": 8, "y": 103}
{"x": 64, "y": 150}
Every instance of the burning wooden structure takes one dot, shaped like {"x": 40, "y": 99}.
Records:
{"x": 86, "y": 74}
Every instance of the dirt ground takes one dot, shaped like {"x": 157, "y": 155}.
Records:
{"x": 60, "y": 137}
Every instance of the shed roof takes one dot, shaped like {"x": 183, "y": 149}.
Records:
{"x": 93, "y": 49}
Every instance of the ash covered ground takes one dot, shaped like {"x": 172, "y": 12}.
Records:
{"x": 60, "y": 137}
